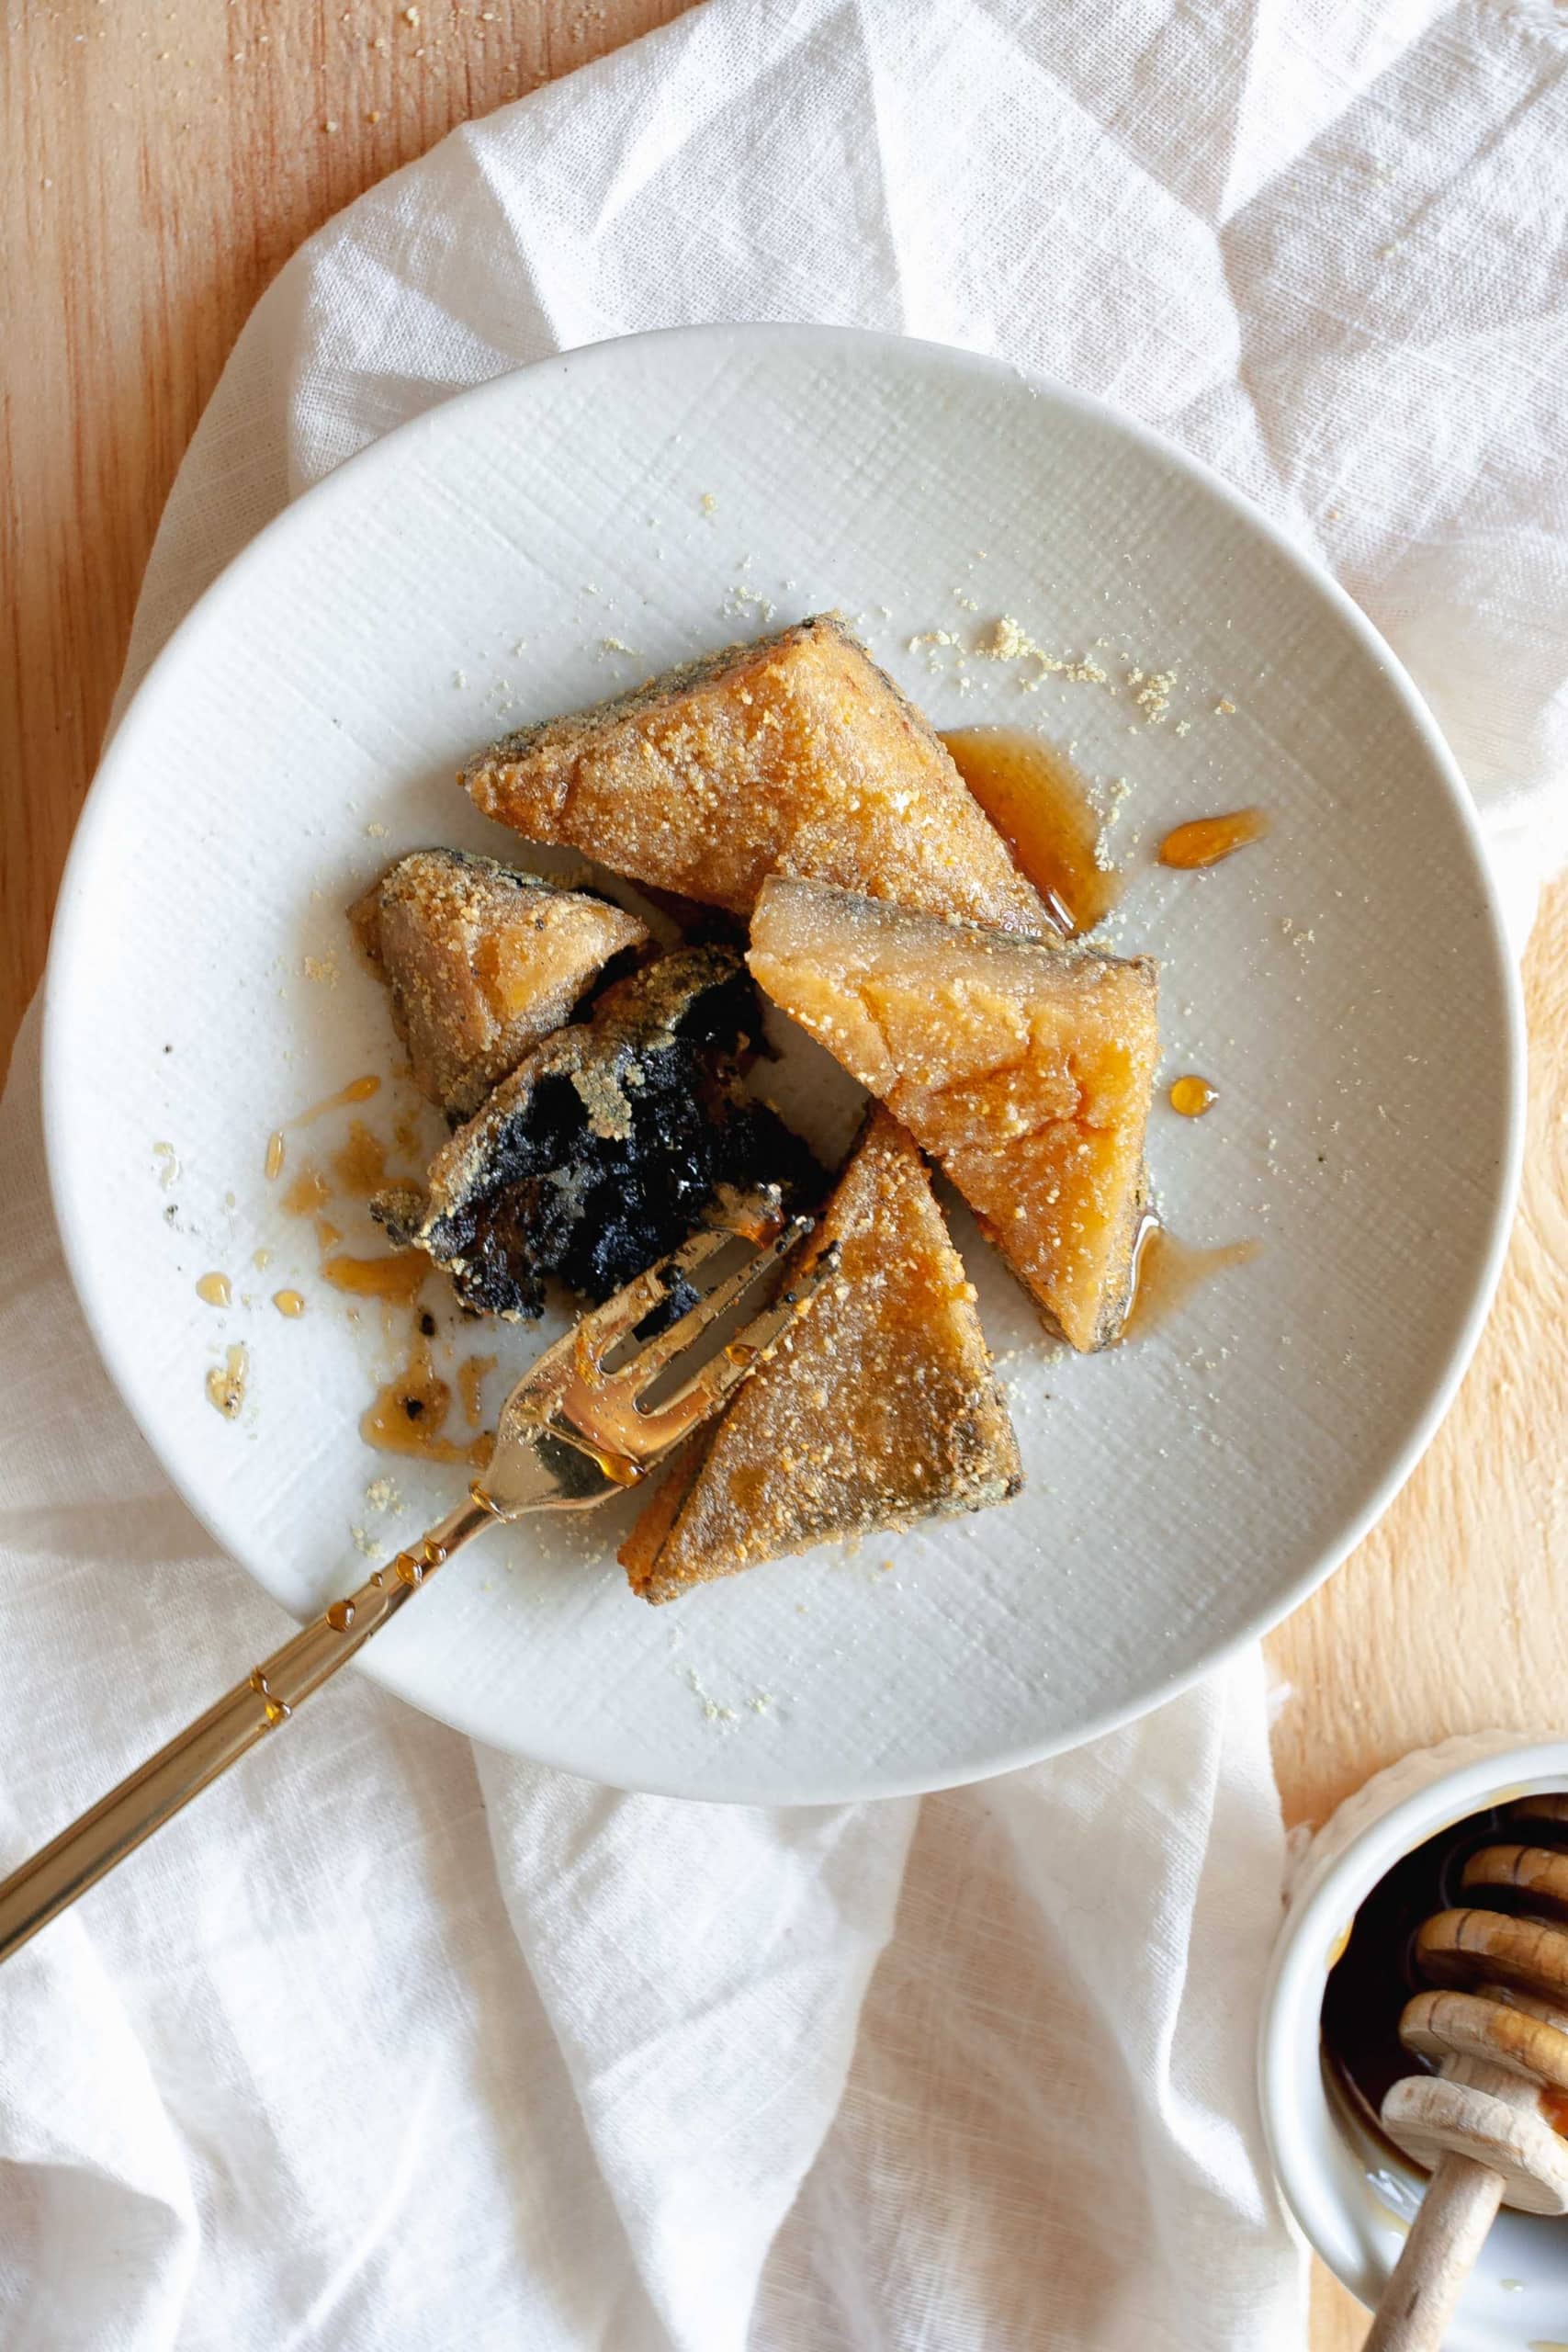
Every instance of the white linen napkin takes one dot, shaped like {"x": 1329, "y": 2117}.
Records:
{"x": 395, "y": 2042}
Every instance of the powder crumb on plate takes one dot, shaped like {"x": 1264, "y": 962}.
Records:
{"x": 1152, "y": 691}
{"x": 1003, "y": 641}
{"x": 320, "y": 967}
{"x": 740, "y": 602}
{"x": 713, "y": 1709}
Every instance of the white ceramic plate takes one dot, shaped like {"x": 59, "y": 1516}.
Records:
{"x": 1345, "y": 985}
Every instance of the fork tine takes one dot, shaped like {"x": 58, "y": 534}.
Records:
{"x": 567, "y": 1395}
{"x": 666, "y": 1345}
{"x": 599, "y": 1331}
{"x": 701, "y": 1395}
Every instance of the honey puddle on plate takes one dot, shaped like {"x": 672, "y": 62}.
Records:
{"x": 1166, "y": 1273}
{"x": 360, "y": 1166}
{"x": 1192, "y": 1096}
{"x": 226, "y": 1383}
{"x": 1041, "y": 806}
{"x": 309, "y": 1193}
{"x": 1209, "y": 838}
{"x": 472, "y": 1373}
{"x": 358, "y": 1089}
{"x": 408, "y": 1414}
{"x": 397, "y": 1278}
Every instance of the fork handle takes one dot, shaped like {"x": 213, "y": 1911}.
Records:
{"x": 83, "y": 1853}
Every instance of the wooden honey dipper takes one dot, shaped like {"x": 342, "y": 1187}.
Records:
{"x": 1487, "y": 2122}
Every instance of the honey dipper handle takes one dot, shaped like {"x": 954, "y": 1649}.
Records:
{"x": 1447, "y": 2235}
{"x": 89, "y": 1847}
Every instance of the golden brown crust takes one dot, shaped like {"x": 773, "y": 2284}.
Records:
{"x": 793, "y": 755}
{"x": 480, "y": 962}
{"x": 1026, "y": 1070}
{"x": 878, "y": 1410}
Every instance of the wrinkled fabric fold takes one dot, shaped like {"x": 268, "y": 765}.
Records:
{"x": 391, "y": 2043}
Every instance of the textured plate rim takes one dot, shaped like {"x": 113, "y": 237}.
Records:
{"x": 115, "y": 779}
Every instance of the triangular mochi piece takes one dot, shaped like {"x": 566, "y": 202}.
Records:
{"x": 480, "y": 963}
{"x": 879, "y": 1408}
{"x": 1026, "y": 1070}
{"x": 794, "y": 755}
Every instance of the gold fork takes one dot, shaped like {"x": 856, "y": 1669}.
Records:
{"x": 572, "y": 1432}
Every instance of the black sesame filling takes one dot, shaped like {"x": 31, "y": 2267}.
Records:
{"x": 559, "y": 1197}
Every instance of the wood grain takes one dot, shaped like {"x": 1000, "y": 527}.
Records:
{"x": 159, "y": 165}
{"x": 1451, "y": 1615}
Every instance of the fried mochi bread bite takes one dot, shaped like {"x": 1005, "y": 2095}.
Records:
{"x": 879, "y": 1408}
{"x": 1025, "y": 1069}
{"x": 479, "y": 962}
{"x": 794, "y": 755}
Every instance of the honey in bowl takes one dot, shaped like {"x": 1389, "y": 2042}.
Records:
{"x": 1377, "y": 1972}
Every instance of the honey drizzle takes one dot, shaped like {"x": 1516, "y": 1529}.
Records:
{"x": 1167, "y": 1273}
{"x": 309, "y": 1193}
{"x": 1192, "y": 1095}
{"x": 276, "y": 1147}
{"x": 397, "y": 1278}
{"x": 407, "y": 1415}
{"x": 358, "y": 1089}
{"x": 1208, "y": 839}
{"x": 215, "y": 1290}
{"x": 1039, "y": 805}
{"x": 360, "y": 1166}
{"x": 275, "y": 1710}
{"x": 472, "y": 1373}
{"x": 226, "y": 1383}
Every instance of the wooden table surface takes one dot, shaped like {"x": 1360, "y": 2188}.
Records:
{"x": 158, "y": 165}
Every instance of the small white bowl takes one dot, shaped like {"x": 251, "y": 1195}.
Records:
{"x": 1351, "y": 2199}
